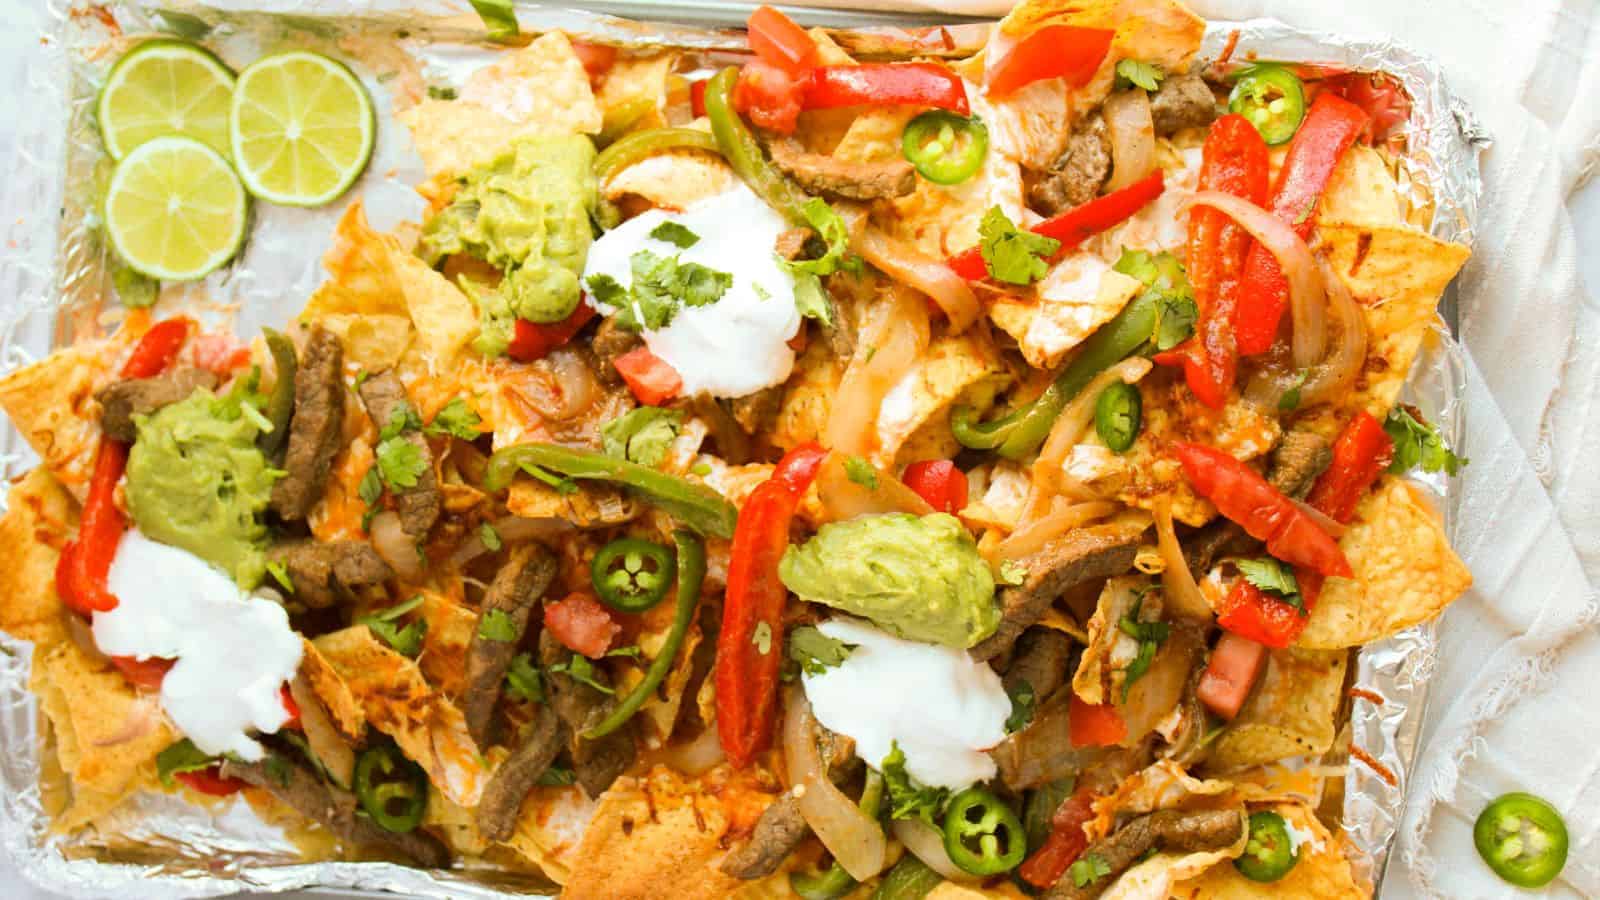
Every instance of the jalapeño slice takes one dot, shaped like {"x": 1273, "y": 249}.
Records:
{"x": 1522, "y": 838}
{"x": 1272, "y": 99}
{"x": 392, "y": 789}
{"x": 1117, "y": 416}
{"x": 945, "y": 148}
{"x": 982, "y": 835}
{"x": 632, "y": 575}
{"x": 1268, "y": 852}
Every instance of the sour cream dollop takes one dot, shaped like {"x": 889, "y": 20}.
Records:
{"x": 943, "y": 708}
{"x": 233, "y": 651}
{"x": 739, "y": 344}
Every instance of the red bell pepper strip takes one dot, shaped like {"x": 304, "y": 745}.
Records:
{"x": 1058, "y": 51}
{"x": 582, "y": 624}
{"x": 752, "y": 609}
{"x": 697, "y": 97}
{"x": 770, "y": 96}
{"x": 779, "y": 41}
{"x": 939, "y": 482}
{"x": 1234, "y": 161}
{"x": 1361, "y": 453}
{"x": 210, "y": 781}
{"x": 1095, "y": 726}
{"x": 1330, "y": 127}
{"x": 143, "y": 673}
{"x": 651, "y": 379}
{"x": 81, "y": 571}
{"x": 1248, "y": 612}
{"x": 535, "y": 340}
{"x": 887, "y": 84}
{"x": 1066, "y": 841}
{"x": 595, "y": 58}
{"x": 1077, "y": 224}
{"x": 1241, "y": 494}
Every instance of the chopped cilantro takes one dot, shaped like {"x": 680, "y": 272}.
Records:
{"x": 457, "y": 419}
{"x": 675, "y": 234}
{"x": 908, "y": 798}
{"x": 441, "y": 92}
{"x": 861, "y": 472}
{"x": 631, "y": 651}
{"x": 1087, "y": 870}
{"x": 371, "y": 492}
{"x": 578, "y": 668}
{"x": 1419, "y": 445}
{"x": 496, "y": 625}
{"x": 662, "y": 285}
{"x": 490, "y": 537}
{"x": 1274, "y": 579}
{"x": 811, "y": 299}
{"x": 1175, "y": 318}
{"x": 1150, "y": 635}
{"x": 762, "y": 293}
{"x": 523, "y": 679}
{"x": 280, "y": 574}
{"x": 1012, "y": 255}
{"x": 1023, "y": 702}
{"x": 1291, "y": 398}
{"x": 400, "y": 463}
{"x": 403, "y": 419}
{"x": 1165, "y": 280}
{"x": 833, "y": 231}
{"x": 407, "y": 641}
{"x": 815, "y": 652}
{"x": 1140, "y": 74}
{"x": 641, "y": 435}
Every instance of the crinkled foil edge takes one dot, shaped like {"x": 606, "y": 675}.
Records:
{"x": 43, "y": 265}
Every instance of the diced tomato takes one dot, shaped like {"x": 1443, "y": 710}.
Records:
{"x": 581, "y": 624}
{"x": 145, "y": 674}
{"x": 220, "y": 354}
{"x": 1236, "y": 662}
{"x": 535, "y": 340}
{"x": 596, "y": 58}
{"x": 1095, "y": 726}
{"x": 1248, "y": 612}
{"x": 939, "y": 482}
{"x": 210, "y": 781}
{"x": 779, "y": 41}
{"x": 770, "y": 96}
{"x": 651, "y": 379}
{"x": 1066, "y": 841}
{"x": 1057, "y": 51}
{"x": 697, "y": 97}
{"x": 1361, "y": 453}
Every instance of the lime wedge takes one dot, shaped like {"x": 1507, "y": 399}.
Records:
{"x": 162, "y": 88}
{"x": 175, "y": 210}
{"x": 302, "y": 128}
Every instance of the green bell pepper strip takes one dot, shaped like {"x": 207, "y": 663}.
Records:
{"x": 695, "y": 505}
{"x": 391, "y": 788}
{"x": 499, "y": 17}
{"x": 1118, "y": 416}
{"x": 744, "y": 154}
{"x": 1040, "y": 809}
{"x": 632, "y": 575}
{"x": 1020, "y": 433}
{"x": 1522, "y": 838}
{"x": 945, "y": 148}
{"x": 1272, "y": 99}
{"x": 691, "y": 577}
{"x": 910, "y": 879}
{"x": 632, "y": 148}
{"x": 280, "y": 405}
{"x": 836, "y": 882}
{"x": 1268, "y": 852}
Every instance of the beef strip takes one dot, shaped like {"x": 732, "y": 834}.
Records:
{"x": 1079, "y": 173}
{"x": 121, "y": 401}
{"x": 1041, "y": 659}
{"x": 323, "y": 572}
{"x": 821, "y": 174}
{"x": 597, "y": 763}
{"x": 611, "y": 341}
{"x": 1166, "y": 830}
{"x": 778, "y": 832}
{"x": 1296, "y": 462}
{"x": 515, "y": 777}
{"x": 299, "y": 788}
{"x": 516, "y": 590}
{"x": 317, "y": 428}
{"x": 1073, "y": 558}
{"x": 756, "y": 412}
{"x": 1183, "y": 101}
{"x": 420, "y": 504}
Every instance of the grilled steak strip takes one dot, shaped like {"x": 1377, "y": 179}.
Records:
{"x": 121, "y": 401}
{"x": 778, "y": 832}
{"x": 516, "y": 590}
{"x": 420, "y": 504}
{"x": 503, "y": 795}
{"x": 317, "y": 428}
{"x": 596, "y": 763}
{"x": 847, "y": 179}
{"x": 1183, "y": 101}
{"x": 323, "y": 572}
{"x": 1169, "y": 829}
{"x": 1041, "y": 661}
{"x": 1079, "y": 173}
{"x": 1073, "y": 558}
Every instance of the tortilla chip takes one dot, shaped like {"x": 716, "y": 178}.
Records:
{"x": 331, "y": 689}
{"x": 1119, "y": 598}
{"x": 455, "y": 824}
{"x": 660, "y": 712}
{"x": 634, "y": 93}
{"x": 1290, "y": 713}
{"x": 445, "y": 319}
{"x": 1323, "y": 872}
{"x": 550, "y": 829}
{"x": 372, "y": 341}
{"x": 1004, "y": 496}
{"x": 397, "y": 700}
{"x": 674, "y": 181}
{"x": 943, "y": 220}
{"x": 807, "y": 397}
{"x": 40, "y": 518}
{"x": 1161, "y": 785}
{"x": 362, "y": 279}
{"x": 51, "y": 404}
{"x": 1362, "y": 189}
{"x": 590, "y": 506}
{"x": 1406, "y": 571}
{"x": 1079, "y": 294}
{"x": 913, "y": 422}
{"x": 1155, "y": 878}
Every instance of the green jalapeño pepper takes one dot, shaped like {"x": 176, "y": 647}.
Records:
{"x": 1117, "y": 416}
{"x": 1268, "y": 852}
{"x": 945, "y": 148}
{"x": 695, "y": 505}
{"x": 910, "y": 879}
{"x": 280, "y": 404}
{"x": 743, "y": 151}
{"x": 1272, "y": 99}
{"x": 982, "y": 835}
{"x": 392, "y": 789}
{"x": 1523, "y": 839}
{"x": 631, "y": 575}
{"x": 691, "y": 576}
{"x": 836, "y": 882}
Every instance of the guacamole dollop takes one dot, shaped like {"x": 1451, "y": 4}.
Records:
{"x": 919, "y": 578}
{"x": 197, "y": 481}
{"x": 527, "y": 212}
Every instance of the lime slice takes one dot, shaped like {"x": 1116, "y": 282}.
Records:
{"x": 175, "y": 210}
{"x": 302, "y": 128}
{"x": 163, "y": 88}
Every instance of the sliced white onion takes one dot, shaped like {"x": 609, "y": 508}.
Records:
{"x": 905, "y": 263}
{"x": 697, "y": 757}
{"x": 898, "y": 333}
{"x": 1132, "y": 130}
{"x": 512, "y": 530}
{"x": 395, "y": 546}
{"x": 1339, "y": 370}
{"x": 1307, "y": 294}
{"x": 1177, "y": 584}
{"x": 842, "y": 498}
{"x": 852, "y": 836}
{"x": 1063, "y": 517}
{"x": 926, "y": 843}
{"x": 1048, "y": 469}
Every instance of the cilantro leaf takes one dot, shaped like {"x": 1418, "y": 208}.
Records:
{"x": 607, "y": 290}
{"x": 907, "y": 797}
{"x": 557, "y": 776}
{"x": 280, "y": 574}
{"x": 490, "y": 537}
{"x": 400, "y": 463}
{"x": 524, "y": 680}
{"x": 861, "y": 472}
{"x": 1175, "y": 318}
{"x": 675, "y": 234}
{"x": 1023, "y": 702}
{"x": 1419, "y": 445}
{"x": 815, "y": 652}
{"x": 455, "y": 418}
{"x": 1290, "y": 400}
{"x": 578, "y": 668}
{"x": 404, "y": 418}
{"x": 407, "y": 640}
{"x": 496, "y": 625}
{"x": 1272, "y": 578}
{"x": 1140, "y": 74}
{"x": 641, "y": 435}
{"x": 1168, "y": 285}
{"x": 371, "y": 492}
{"x": 662, "y": 285}
{"x": 181, "y": 756}
{"x": 631, "y": 651}
{"x": 441, "y": 92}
{"x": 1012, "y": 255}
{"x": 1087, "y": 870}
{"x": 835, "y": 234}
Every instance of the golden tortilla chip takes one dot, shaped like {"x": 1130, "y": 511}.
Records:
{"x": 51, "y": 403}
{"x": 1362, "y": 189}
{"x": 674, "y": 181}
{"x": 550, "y": 829}
{"x": 942, "y": 219}
{"x": 40, "y": 518}
{"x": 1160, "y": 785}
{"x": 1323, "y": 872}
{"x": 362, "y": 279}
{"x": 1406, "y": 571}
{"x": 451, "y": 625}
{"x": 1155, "y": 878}
{"x": 372, "y": 341}
{"x": 807, "y": 397}
{"x": 1290, "y": 713}
{"x": 634, "y": 93}
{"x": 660, "y": 712}
{"x": 913, "y": 421}
{"x": 1079, "y": 294}
{"x": 398, "y": 701}
{"x": 331, "y": 689}
{"x": 455, "y": 824}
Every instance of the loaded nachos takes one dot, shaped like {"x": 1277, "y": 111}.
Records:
{"x": 860, "y": 467}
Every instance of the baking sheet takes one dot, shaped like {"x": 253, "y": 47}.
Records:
{"x": 54, "y": 286}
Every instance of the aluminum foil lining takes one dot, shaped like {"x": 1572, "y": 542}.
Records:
{"x": 55, "y": 276}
